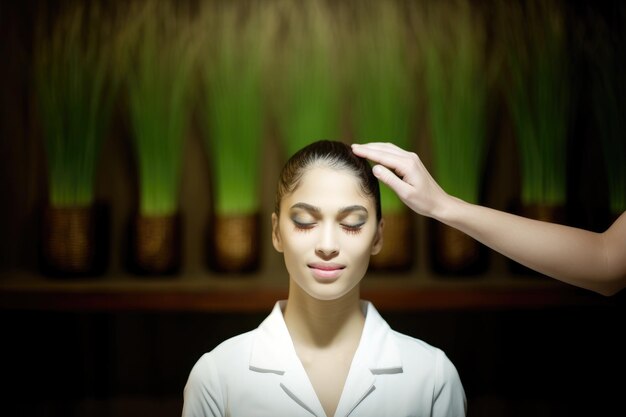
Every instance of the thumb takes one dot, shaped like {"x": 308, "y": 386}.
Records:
{"x": 387, "y": 177}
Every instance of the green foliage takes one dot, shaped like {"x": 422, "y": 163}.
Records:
{"x": 235, "y": 45}
{"x": 538, "y": 95}
{"x": 382, "y": 82}
{"x": 159, "y": 72}
{"x": 75, "y": 86}
{"x": 306, "y": 85}
{"x": 452, "y": 37}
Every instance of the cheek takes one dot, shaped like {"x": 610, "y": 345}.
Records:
{"x": 294, "y": 247}
{"x": 294, "y": 241}
{"x": 360, "y": 246}
{"x": 296, "y": 253}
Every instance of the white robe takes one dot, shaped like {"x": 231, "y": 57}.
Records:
{"x": 258, "y": 374}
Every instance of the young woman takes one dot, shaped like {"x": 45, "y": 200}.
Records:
{"x": 324, "y": 351}
{"x": 595, "y": 261}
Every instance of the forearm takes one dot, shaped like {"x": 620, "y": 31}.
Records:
{"x": 596, "y": 261}
{"x": 575, "y": 256}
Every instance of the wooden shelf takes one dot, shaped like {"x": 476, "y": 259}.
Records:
{"x": 240, "y": 294}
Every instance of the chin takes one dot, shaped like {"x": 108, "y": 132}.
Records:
{"x": 329, "y": 292}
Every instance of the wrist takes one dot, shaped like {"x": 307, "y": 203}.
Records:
{"x": 448, "y": 209}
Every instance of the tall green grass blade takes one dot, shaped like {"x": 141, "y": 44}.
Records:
{"x": 382, "y": 82}
{"x": 235, "y": 46}
{"x": 306, "y": 82}
{"x": 75, "y": 85}
{"x": 452, "y": 37}
{"x": 538, "y": 95}
{"x": 158, "y": 84}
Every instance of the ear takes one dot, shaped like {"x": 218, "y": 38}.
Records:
{"x": 276, "y": 240}
{"x": 378, "y": 238}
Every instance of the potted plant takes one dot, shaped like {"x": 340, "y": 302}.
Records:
{"x": 235, "y": 43}
{"x": 384, "y": 96}
{"x": 305, "y": 81}
{"x": 537, "y": 92}
{"x": 75, "y": 86}
{"x": 457, "y": 71}
{"x": 158, "y": 81}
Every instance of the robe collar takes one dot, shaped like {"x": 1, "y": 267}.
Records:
{"x": 377, "y": 353}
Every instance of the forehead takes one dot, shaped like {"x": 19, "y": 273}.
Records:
{"x": 329, "y": 186}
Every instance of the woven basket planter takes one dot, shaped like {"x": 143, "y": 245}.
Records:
{"x": 155, "y": 244}
{"x": 74, "y": 241}
{"x": 398, "y": 251}
{"x": 233, "y": 243}
{"x": 452, "y": 252}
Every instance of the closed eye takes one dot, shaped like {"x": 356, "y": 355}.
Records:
{"x": 303, "y": 226}
{"x": 353, "y": 228}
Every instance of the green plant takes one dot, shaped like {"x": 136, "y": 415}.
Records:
{"x": 538, "y": 95}
{"x": 159, "y": 73}
{"x": 233, "y": 70}
{"x": 452, "y": 38}
{"x": 75, "y": 85}
{"x": 382, "y": 82}
{"x": 608, "y": 80}
{"x": 306, "y": 83}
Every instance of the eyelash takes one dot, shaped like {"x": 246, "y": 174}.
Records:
{"x": 303, "y": 227}
{"x": 350, "y": 229}
{"x": 353, "y": 230}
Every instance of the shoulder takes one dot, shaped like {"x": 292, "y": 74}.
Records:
{"x": 395, "y": 347}
{"x": 424, "y": 362}
{"x": 235, "y": 350}
{"x": 227, "y": 360}
{"x": 206, "y": 387}
{"x": 416, "y": 352}
{"x": 422, "y": 372}
{"x": 412, "y": 348}
{"x": 417, "y": 358}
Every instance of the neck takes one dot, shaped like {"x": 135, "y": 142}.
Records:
{"x": 322, "y": 323}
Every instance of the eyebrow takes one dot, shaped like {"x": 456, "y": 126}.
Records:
{"x": 350, "y": 209}
{"x": 343, "y": 210}
{"x": 307, "y": 207}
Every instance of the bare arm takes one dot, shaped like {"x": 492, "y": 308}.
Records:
{"x": 595, "y": 261}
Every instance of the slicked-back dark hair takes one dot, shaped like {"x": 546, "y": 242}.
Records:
{"x": 332, "y": 154}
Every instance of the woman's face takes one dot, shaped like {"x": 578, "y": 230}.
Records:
{"x": 327, "y": 230}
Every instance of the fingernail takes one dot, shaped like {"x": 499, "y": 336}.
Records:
{"x": 377, "y": 170}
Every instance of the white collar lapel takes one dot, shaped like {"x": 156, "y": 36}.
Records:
{"x": 273, "y": 352}
{"x": 272, "y": 346}
{"x": 377, "y": 354}
{"x": 378, "y": 344}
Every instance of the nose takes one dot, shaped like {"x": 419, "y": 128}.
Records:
{"x": 327, "y": 247}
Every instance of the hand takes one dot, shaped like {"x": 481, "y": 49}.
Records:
{"x": 406, "y": 175}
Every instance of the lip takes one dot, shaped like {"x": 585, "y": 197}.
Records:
{"x": 326, "y": 271}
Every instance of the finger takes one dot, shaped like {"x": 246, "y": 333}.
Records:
{"x": 391, "y": 179}
{"x": 379, "y": 147}
{"x": 400, "y": 164}
{"x": 395, "y": 163}
{"x": 380, "y": 155}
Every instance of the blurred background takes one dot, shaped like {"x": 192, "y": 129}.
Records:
{"x": 141, "y": 142}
